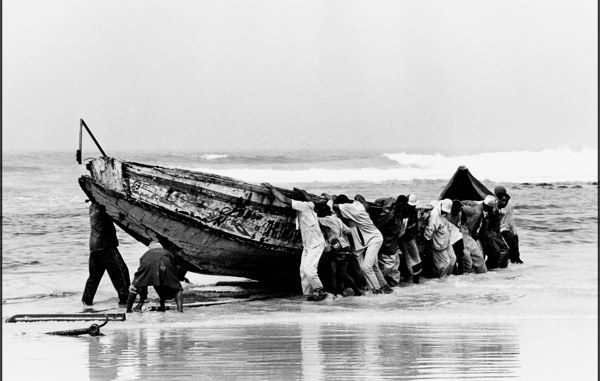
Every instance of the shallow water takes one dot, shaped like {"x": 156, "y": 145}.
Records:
{"x": 550, "y": 349}
{"x": 533, "y": 321}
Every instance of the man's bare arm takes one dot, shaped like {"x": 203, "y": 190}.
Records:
{"x": 278, "y": 195}
{"x": 329, "y": 200}
{"x": 314, "y": 199}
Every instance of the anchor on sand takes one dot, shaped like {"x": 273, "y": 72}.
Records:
{"x": 93, "y": 330}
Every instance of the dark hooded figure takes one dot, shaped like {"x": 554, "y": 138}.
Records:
{"x": 157, "y": 269}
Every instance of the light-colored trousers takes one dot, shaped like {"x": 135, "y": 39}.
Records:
{"x": 309, "y": 278}
{"x": 444, "y": 261}
{"x": 473, "y": 259}
{"x": 367, "y": 258}
{"x": 389, "y": 264}
{"x": 411, "y": 256}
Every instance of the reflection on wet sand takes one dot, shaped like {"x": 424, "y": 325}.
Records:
{"x": 309, "y": 350}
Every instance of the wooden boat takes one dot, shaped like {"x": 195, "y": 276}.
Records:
{"x": 215, "y": 224}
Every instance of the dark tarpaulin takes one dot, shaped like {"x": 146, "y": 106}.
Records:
{"x": 464, "y": 186}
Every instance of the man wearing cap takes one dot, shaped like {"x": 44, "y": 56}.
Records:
{"x": 507, "y": 224}
{"x": 487, "y": 231}
{"x": 406, "y": 215}
{"x": 313, "y": 242}
{"x": 437, "y": 230}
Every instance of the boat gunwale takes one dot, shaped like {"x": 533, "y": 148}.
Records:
{"x": 199, "y": 190}
{"x": 229, "y": 181}
{"x": 183, "y": 218}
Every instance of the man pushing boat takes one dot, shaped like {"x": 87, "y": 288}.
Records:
{"x": 104, "y": 256}
{"x": 313, "y": 241}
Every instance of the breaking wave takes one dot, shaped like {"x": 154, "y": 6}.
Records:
{"x": 212, "y": 156}
{"x": 561, "y": 164}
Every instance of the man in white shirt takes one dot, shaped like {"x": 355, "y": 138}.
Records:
{"x": 437, "y": 230}
{"x": 312, "y": 241}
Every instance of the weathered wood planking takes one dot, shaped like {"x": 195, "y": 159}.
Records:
{"x": 243, "y": 213}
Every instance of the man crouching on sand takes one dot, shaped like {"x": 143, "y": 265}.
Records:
{"x": 157, "y": 269}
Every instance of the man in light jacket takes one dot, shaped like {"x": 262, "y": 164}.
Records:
{"x": 437, "y": 230}
{"x": 367, "y": 240}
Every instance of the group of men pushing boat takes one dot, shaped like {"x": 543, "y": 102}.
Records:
{"x": 350, "y": 247}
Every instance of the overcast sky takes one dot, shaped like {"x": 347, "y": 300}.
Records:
{"x": 416, "y": 76}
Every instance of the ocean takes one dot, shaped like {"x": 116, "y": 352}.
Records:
{"x": 537, "y": 320}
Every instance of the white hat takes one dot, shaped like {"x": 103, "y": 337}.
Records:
{"x": 489, "y": 200}
{"x": 446, "y": 205}
{"x": 155, "y": 245}
{"x": 412, "y": 199}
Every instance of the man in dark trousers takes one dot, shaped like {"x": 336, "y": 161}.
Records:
{"x": 407, "y": 219}
{"x": 157, "y": 269}
{"x": 487, "y": 231}
{"x": 104, "y": 255}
